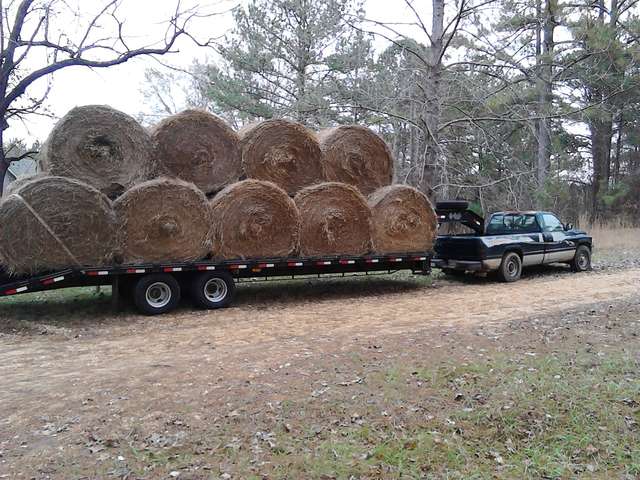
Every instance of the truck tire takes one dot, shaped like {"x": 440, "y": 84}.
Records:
{"x": 156, "y": 293}
{"x": 510, "y": 268}
{"x": 211, "y": 290}
{"x": 582, "y": 259}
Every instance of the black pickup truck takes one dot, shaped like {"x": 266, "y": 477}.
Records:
{"x": 507, "y": 241}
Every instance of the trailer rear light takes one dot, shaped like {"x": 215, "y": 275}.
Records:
{"x": 294, "y": 264}
{"x": 136, "y": 270}
{"x": 96, "y": 273}
{"x": 323, "y": 262}
{"x": 237, "y": 267}
{"x": 49, "y": 281}
{"x": 419, "y": 259}
{"x": 206, "y": 267}
{"x": 172, "y": 269}
{"x": 266, "y": 265}
{"x": 372, "y": 260}
{"x": 346, "y": 262}
{"x": 397, "y": 259}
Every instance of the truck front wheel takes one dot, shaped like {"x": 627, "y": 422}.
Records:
{"x": 582, "y": 260}
{"x": 156, "y": 293}
{"x": 212, "y": 290}
{"x": 511, "y": 267}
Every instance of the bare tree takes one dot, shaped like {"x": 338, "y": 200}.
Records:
{"x": 35, "y": 44}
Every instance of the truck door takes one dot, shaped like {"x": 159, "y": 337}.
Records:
{"x": 557, "y": 246}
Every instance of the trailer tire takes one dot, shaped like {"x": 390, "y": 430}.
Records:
{"x": 156, "y": 293}
{"x": 582, "y": 260}
{"x": 211, "y": 290}
{"x": 510, "y": 268}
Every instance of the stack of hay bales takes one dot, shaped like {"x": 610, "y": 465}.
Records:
{"x": 111, "y": 192}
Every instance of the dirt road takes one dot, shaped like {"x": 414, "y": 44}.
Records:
{"x": 62, "y": 380}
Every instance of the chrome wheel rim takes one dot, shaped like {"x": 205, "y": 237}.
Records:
{"x": 215, "y": 290}
{"x": 158, "y": 294}
{"x": 512, "y": 268}
{"x": 583, "y": 261}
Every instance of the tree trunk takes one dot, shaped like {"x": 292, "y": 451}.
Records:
{"x": 432, "y": 107}
{"x": 544, "y": 49}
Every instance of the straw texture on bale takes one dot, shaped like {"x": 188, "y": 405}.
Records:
{"x": 163, "y": 220}
{"x": 198, "y": 147}
{"x": 356, "y": 155}
{"x": 403, "y": 220}
{"x": 335, "y": 220}
{"x": 252, "y": 219}
{"x": 20, "y": 181}
{"x": 53, "y": 222}
{"x": 100, "y": 146}
{"x": 283, "y": 152}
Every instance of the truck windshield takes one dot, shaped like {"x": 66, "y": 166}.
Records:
{"x": 501, "y": 224}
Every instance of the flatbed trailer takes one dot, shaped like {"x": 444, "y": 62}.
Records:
{"x": 157, "y": 288}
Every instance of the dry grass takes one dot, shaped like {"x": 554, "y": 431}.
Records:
{"x": 613, "y": 235}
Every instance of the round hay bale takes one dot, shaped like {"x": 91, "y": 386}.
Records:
{"x": 356, "y": 155}
{"x": 20, "y": 181}
{"x": 283, "y": 152}
{"x": 100, "y": 146}
{"x": 198, "y": 147}
{"x": 335, "y": 220}
{"x": 163, "y": 220}
{"x": 254, "y": 219}
{"x": 53, "y": 222}
{"x": 403, "y": 220}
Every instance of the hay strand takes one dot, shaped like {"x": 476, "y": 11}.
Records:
{"x": 100, "y": 146}
{"x": 283, "y": 152}
{"x": 163, "y": 220}
{"x": 335, "y": 220}
{"x": 403, "y": 220}
{"x": 198, "y": 147}
{"x": 52, "y": 223}
{"x": 356, "y": 155}
{"x": 254, "y": 219}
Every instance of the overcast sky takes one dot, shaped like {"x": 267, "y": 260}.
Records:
{"x": 120, "y": 86}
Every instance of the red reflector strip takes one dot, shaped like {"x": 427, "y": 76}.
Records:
{"x": 266, "y": 265}
{"x": 323, "y": 262}
{"x": 13, "y": 291}
{"x": 135, "y": 270}
{"x": 49, "y": 281}
{"x": 372, "y": 260}
{"x": 96, "y": 273}
{"x": 172, "y": 269}
{"x": 206, "y": 267}
{"x": 294, "y": 264}
{"x": 347, "y": 262}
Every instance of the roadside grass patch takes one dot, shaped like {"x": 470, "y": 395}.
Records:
{"x": 551, "y": 417}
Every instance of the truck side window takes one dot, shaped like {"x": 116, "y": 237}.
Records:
{"x": 551, "y": 223}
{"x": 514, "y": 223}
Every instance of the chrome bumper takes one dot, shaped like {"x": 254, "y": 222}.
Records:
{"x": 467, "y": 265}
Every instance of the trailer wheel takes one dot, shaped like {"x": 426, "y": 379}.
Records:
{"x": 213, "y": 290}
{"x": 156, "y": 293}
{"x": 582, "y": 260}
{"x": 511, "y": 267}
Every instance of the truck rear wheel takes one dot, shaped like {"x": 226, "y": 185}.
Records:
{"x": 511, "y": 267}
{"x": 156, "y": 293}
{"x": 213, "y": 290}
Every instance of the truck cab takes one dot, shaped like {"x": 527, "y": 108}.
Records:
{"x": 508, "y": 241}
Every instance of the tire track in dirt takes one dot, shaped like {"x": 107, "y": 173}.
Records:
{"x": 246, "y": 340}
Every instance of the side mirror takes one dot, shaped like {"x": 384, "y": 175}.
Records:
{"x": 568, "y": 226}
